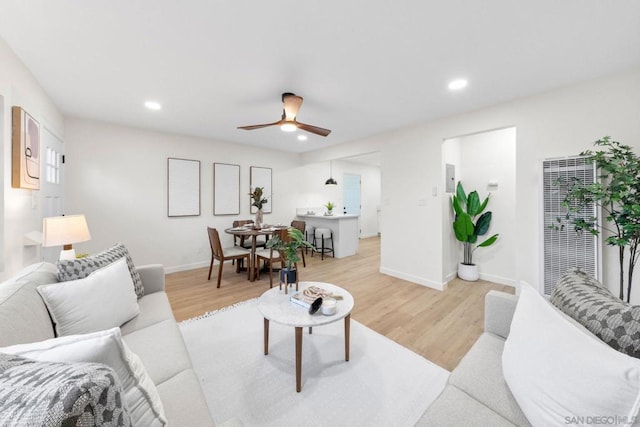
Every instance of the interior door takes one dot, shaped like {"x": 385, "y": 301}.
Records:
{"x": 52, "y": 184}
{"x": 351, "y": 194}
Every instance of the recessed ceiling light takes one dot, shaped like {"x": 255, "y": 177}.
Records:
{"x": 152, "y": 105}
{"x": 302, "y": 137}
{"x": 458, "y": 84}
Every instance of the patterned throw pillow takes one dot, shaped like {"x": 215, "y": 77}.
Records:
{"x": 59, "y": 394}
{"x": 81, "y": 267}
{"x": 615, "y": 322}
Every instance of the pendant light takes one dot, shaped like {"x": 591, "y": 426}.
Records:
{"x": 331, "y": 181}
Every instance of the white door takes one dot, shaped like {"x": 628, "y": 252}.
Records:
{"x": 52, "y": 184}
{"x": 351, "y": 194}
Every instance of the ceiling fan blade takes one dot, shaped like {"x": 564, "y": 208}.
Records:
{"x": 252, "y": 127}
{"x": 313, "y": 129}
{"x": 292, "y": 104}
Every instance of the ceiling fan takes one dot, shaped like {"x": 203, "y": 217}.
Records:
{"x": 288, "y": 123}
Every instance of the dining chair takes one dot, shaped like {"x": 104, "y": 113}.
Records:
{"x": 225, "y": 254}
{"x": 242, "y": 241}
{"x": 301, "y": 225}
{"x": 271, "y": 255}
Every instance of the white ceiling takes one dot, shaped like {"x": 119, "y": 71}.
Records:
{"x": 363, "y": 66}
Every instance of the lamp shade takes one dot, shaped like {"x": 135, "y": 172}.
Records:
{"x": 64, "y": 230}
{"x": 331, "y": 181}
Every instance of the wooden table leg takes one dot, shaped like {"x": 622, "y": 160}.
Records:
{"x": 347, "y": 330}
{"x": 266, "y": 336}
{"x": 298, "y": 359}
{"x": 252, "y": 261}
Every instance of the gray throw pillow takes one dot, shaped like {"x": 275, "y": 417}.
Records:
{"x": 615, "y": 322}
{"x": 81, "y": 267}
{"x": 59, "y": 394}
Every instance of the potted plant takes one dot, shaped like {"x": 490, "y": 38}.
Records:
{"x": 467, "y": 229}
{"x": 288, "y": 250}
{"x": 329, "y": 207}
{"x": 258, "y": 201}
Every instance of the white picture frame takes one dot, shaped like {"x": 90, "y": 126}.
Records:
{"x": 183, "y": 187}
{"x": 226, "y": 189}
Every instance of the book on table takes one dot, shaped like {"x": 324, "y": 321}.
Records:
{"x": 308, "y": 295}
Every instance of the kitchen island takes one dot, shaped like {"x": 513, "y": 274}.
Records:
{"x": 345, "y": 228}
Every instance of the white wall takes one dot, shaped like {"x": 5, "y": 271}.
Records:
{"x": 117, "y": 177}
{"x": 22, "y": 210}
{"x": 484, "y": 157}
{"x": 558, "y": 123}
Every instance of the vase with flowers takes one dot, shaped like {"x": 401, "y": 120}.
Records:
{"x": 258, "y": 200}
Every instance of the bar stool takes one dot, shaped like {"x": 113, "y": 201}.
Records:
{"x": 323, "y": 234}
{"x": 309, "y": 231}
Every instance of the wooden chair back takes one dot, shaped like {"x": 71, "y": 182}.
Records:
{"x": 300, "y": 225}
{"x": 239, "y": 240}
{"x": 214, "y": 241}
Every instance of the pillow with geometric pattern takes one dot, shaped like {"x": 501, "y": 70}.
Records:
{"x": 80, "y": 268}
{"x": 584, "y": 299}
{"x": 59, "y": 394}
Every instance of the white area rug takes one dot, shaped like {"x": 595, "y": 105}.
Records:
{"x": 383, "y": 384}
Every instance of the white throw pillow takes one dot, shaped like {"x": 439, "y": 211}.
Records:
{"x": 560, "y": 374}
{"x": 103, "y": 300}
{"x": 141, "y": 397}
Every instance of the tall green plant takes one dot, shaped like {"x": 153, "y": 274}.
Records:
{"x": 617, "y": 194}
{"x": 466, "y": 227}
{"x": 289, "y": 250}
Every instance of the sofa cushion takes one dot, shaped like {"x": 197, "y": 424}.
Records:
{"x": 557, "y": 369}
{"x": 161, "y": 348}
{"x": 139, "y": 393}
{"x": 615, "y": 322}
{"x": 479, "y": 374}
{"x": 36, "y": 393}
{"x": 154, "y": 308}
{"x": 184, "y": 402}
{"x": 103, "y": 300}
{"x": 23, "y": 315}
{"x": 456, "y": 408}
{"x": 81, "y": 267}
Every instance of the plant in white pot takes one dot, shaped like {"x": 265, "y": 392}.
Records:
{"x": 470, "y": 222}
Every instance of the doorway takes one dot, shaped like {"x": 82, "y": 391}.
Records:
{"x": 52, "y": 184}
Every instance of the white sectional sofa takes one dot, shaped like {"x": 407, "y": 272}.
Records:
{"x": 153, "y": 335}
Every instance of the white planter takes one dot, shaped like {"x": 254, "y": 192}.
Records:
{"x": 468, "y": 272}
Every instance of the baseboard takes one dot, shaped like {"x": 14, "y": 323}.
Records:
{"x": 498, "y": 279}
{"x": 414, "y": 279}
{"x": 366, "y": 236}
{"x": 186, "y": 267}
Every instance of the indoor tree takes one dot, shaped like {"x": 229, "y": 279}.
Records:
{"x": 466, "y": 227}
{"x": 617, "y": 194}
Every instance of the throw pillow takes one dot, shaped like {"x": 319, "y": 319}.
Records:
{"x": 82, "y": 267}
{"x": 103, "y": 300}
{"x": 34, "y": 393}
{"x": 140, "y": 395}
{"x": 615, "y": 322}
{"x": 559, "y": 372}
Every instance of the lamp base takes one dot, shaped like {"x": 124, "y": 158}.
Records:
{"x": 67, "y": 255}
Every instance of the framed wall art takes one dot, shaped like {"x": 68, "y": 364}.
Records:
{"x": 261, "y": 177}
{"x": 25, "y": 149}
{"x": 183, "y": 187}
{"x": 226, "y": 189}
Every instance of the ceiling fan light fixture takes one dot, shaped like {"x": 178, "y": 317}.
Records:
{"x": 288, "y": 127}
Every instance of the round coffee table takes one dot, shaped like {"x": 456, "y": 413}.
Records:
{"x": 275, "y": 305}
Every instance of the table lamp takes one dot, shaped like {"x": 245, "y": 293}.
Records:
{"x": 65, "y": 231}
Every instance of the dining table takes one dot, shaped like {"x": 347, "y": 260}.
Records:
{"x": 249, "y": 230}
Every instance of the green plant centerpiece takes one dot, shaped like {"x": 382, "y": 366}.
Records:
{"x": 258, "y": 200}
{"x": 617, "y": 194}
{"x": 330, "y": 206}
{"x": 471, "y": 221}
{"x": 288, "y": 248}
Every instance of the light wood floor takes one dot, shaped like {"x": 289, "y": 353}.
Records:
{"x": 441, "y": 326}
